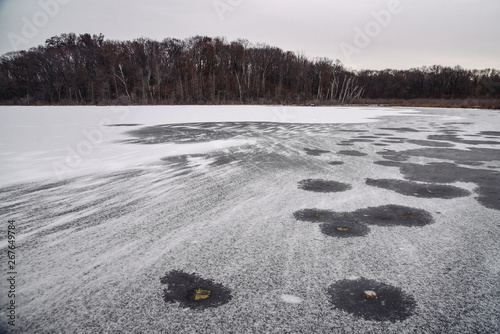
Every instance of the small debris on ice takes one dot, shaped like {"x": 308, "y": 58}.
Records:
{"x": 291, "y": 299}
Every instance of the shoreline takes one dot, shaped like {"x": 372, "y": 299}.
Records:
{"x": 490, "y": 104}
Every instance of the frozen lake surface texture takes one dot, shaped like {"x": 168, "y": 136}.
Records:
{"x": 252, "y": 219}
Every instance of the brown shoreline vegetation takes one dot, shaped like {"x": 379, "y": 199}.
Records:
{"x": 436, "y": 103}
{"x": 416, "y": 103}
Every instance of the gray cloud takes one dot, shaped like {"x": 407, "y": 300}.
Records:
{"x": 424, "y": 32}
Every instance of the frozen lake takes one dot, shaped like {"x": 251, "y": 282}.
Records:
{"x": 252, "y": 219}
{"x": 61, "y": 142}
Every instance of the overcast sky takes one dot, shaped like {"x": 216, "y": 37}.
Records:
{"x": 362, "y": 34}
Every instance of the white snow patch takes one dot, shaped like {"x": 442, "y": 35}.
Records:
{"x": 291, "y": 299}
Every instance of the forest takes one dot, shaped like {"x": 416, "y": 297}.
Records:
{"x": 87, "y": 69}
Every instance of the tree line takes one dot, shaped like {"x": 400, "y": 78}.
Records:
{"x": 85, "y": 69}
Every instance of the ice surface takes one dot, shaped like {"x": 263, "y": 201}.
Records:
{"x": 39, "y": 143}
{"x": 93, "y": 249}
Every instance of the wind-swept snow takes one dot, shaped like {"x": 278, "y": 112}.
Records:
{"x": 39, "y": 143}
{"x": 164, "y": 202}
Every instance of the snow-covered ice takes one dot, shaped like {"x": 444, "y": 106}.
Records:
{"x": 214, "y": 190}
{"x": 39, "y": 143}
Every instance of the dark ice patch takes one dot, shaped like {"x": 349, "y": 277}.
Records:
{"x": 334, "y": 224}
{"x": 458, "y": 123}
{"x": 389, "y": 303}
{"x": 380, "y": 144}
{"x": 456, "y": 139}
{"x": 394, "y": 215}
{"x": 490, "y": 133}
{"x": 336, "y": 163}
{"x": 180, "y": 160}
{"x": 314, "y": 215}
{"x": 324, "y": 186}
{"x": 435, "y": 172}
{"x": 430, "y": 143}
{"x": 178, "y": 133}
{"x": 224, "y": 160}
{"x": 487, "y": 180}
{"x": 182, "y": 173}
{"x": 352, "y": 153}
{"x": 400, "y": 129}
{"x": 315, "y": 152}
{"x": 354, "y": 224}
{"x": 450, "y": 132}
{"x": 426, "y": 190}
{"x": 45, "y": 186}
{"x": 181, "y": 286}
{"x": 393, "y": 155}
{"x": 471, "y": 163}
{"x": 472, "y": 154}
{"x": 396, "y": 157}
{"x": 361, "y": 140}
